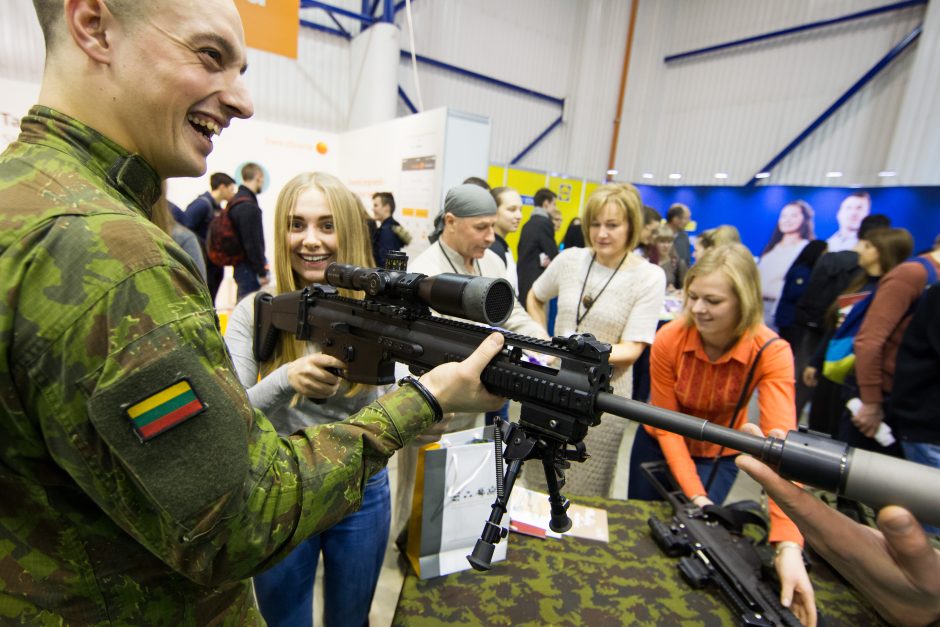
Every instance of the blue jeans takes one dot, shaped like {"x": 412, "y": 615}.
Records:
{"x": 353, "y": 551}
{"x": 925, "y": 453}
{"x": 646, "y": 449}
{"x": 246, "y": 279}
{"x": 725, "y": 475}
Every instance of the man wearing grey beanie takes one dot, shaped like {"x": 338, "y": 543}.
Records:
{"x": 460, "y": 244}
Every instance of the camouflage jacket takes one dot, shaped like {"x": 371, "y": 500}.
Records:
{"x": 137, "y": 486}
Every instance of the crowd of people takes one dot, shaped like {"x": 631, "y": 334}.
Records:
{"x": 151, "y": 468}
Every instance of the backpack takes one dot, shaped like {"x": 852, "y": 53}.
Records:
{"x": 223, "y": 246}
{"x": 840, "y": 352}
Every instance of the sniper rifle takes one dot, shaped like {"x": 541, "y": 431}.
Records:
{"x": 559, "y": 403}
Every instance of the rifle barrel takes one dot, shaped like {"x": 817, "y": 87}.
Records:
{"x": 871, "y": 478}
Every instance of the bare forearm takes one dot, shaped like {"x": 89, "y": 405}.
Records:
{"x": 536, "y": 309}
{"x": 624, "y": 354}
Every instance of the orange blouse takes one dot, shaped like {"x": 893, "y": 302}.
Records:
{"x": 684, "y": 379}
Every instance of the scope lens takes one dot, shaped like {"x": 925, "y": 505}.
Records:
{"x": 499, "y": 300}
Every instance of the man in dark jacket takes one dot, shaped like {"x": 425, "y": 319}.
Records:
{"x": 677, "y": 218}
{"x": 245, "y": 213}
{"x": 199, "y": 214}
{"x": 390, "y": 235}
{"x": 537, "y": 245}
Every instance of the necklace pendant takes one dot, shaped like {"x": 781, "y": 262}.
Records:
{"x": 587, "y": 301}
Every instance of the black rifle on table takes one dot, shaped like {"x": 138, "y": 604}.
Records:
{"x": 559, "y": 403}
{"x": 714, "y": 551}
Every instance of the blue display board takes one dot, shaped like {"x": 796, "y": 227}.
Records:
{"x": 755, "y": 210}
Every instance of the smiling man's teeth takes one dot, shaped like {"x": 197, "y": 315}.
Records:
{"x": 206, "y": 123}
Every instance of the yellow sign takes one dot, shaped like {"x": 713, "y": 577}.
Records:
{"x": 271, "y": 25}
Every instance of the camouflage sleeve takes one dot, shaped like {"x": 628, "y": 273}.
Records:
{"x": 137, "y": 400}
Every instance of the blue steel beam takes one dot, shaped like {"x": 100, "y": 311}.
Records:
{"x": 388, "y": 12}
{"x": 407, "y": 100}
{"x": 338, "y": 25}
{"x": 535, "y": 142}
{"x": 315, "y": 4}
{"x": 884, "y": 62}
{"x": 486, "y": 79}
{"x": 399, "y": 6}
{"x": 451, "y": 68}
{"x": 795, "y": 29}
{"x": 325, "y": 29}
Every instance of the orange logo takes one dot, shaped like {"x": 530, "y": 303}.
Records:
{"x": 271, "y": 25}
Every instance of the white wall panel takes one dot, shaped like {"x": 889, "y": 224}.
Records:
{"x": 312, "y": 91}
{"x": 915, "y": 148}
{"x": 21, "y": 45}
{"x": 734, "y": 110}
{"x": 535, "y": 44}
{"x": 729, "y": 111}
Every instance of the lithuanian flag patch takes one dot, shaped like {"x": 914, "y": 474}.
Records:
{"x": 164, "y": 410}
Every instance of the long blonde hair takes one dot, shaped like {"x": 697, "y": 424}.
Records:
{"x": 354, "y": 246}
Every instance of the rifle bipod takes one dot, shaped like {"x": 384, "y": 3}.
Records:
{"x": 522, "y": 444}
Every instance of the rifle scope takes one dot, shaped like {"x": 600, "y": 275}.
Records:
{"x": 476, "y": 298}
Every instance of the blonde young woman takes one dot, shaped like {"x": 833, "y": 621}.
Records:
{"x": 614, "y": 293}
{"x": 699, "y": 365}
{"x": 318, "y": 221}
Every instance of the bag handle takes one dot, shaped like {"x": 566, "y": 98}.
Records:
{"x": 742, "y": 401}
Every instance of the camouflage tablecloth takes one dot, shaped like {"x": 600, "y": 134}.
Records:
{"x": 581, "y": 582}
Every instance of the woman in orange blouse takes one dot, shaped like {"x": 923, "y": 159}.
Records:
{"x": 698, "y": 365}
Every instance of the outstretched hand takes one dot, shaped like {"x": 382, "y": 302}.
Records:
{"x": 895, "y": 568}
{"x": 457, "y": 386}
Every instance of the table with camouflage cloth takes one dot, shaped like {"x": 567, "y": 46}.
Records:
{"x": 581, "y": 582}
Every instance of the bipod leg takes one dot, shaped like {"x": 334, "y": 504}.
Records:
{"x": 553, "y": 465}
{"x": 482, "y": 555}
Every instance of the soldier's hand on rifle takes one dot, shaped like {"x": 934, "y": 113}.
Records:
{"x": 309, "y": 375}
{"x": 457, "y": 386}
{"x": 895, "y": 568}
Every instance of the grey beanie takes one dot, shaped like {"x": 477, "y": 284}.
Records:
{"x": 464, "y": 201}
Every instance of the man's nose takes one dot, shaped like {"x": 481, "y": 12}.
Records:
{"x": 237, "y": 100}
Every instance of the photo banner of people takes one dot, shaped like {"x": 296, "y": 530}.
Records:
{"x": 777, "y": 223}
{"x": 762, "y": 213}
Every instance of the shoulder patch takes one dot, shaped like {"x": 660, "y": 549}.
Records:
{"x": 164, "y": 409}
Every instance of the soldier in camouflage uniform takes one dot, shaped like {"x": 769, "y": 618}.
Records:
{"x": 138, "y": 486}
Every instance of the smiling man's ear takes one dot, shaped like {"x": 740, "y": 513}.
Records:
{"x": 90, "y": 24}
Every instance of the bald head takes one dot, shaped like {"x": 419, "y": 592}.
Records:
{"x": 161, "y": 79}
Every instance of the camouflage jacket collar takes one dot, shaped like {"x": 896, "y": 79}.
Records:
{"x": 128, "y": 174}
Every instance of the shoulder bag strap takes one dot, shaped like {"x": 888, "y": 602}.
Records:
{"x": 742, "y": 401}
